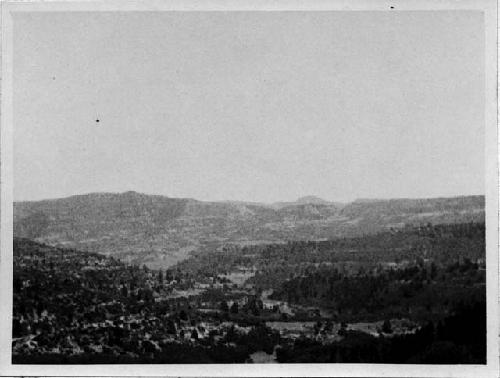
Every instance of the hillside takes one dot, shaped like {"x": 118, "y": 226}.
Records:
{"x": 161, "y": 231}
{"x": 414, "y": 295}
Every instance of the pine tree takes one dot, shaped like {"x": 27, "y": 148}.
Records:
{"x": 234, "y": 308}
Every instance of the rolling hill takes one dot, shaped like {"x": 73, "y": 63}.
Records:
{"x": 160, "y": 231}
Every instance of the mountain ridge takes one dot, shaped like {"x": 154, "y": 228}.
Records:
{"x": 160, "y": 230}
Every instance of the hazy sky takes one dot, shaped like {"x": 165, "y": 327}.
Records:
{"x": 249, "y": 105}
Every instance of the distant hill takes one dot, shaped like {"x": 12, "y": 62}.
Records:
{"x": 312, "y": 200}
{"x": 160, "y": 231}
{"x": 415, "y": 211}
{"x": 307, "y": 200}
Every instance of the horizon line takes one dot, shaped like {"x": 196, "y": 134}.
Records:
{"x": 357, "y": 199}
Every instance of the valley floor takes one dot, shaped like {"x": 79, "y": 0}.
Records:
{"x": 412, "y": 296}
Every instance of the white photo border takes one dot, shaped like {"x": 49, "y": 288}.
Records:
{"x": 491, "y": 369}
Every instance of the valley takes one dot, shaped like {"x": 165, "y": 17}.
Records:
{"x": 160, "y": 231}
{"x": 398, "y": 296}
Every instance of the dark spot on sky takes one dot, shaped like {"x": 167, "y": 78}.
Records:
{"x": 97, "y": 121}
{"x": 53, "y": 77}
{"x": 392, "y": 7}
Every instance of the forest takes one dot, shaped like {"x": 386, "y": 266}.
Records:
{"x": 408, "y": 295}
{"x": 458, "y": 338}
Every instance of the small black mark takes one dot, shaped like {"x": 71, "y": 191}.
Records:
{"x": 392, "y": 7}
{"x": 97, "y": 121}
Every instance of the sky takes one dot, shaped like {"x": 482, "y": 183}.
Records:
{"x": 252, "y": 106}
